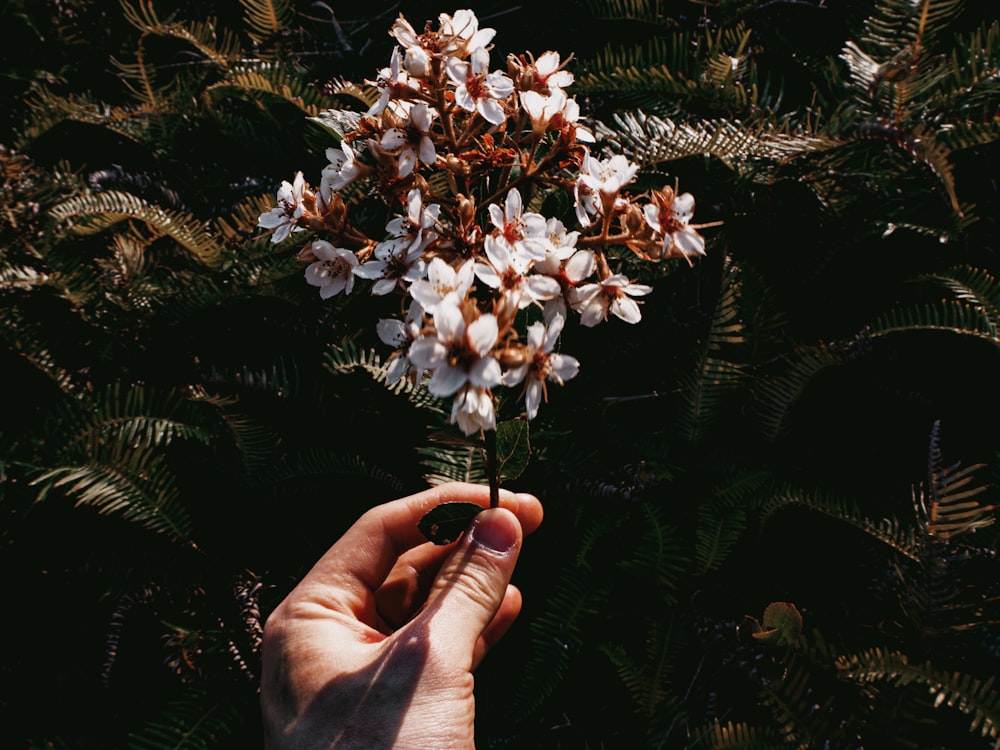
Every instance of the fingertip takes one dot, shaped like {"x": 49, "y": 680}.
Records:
{"x": 497, "y": 530}
{"x": 526, "y": 507}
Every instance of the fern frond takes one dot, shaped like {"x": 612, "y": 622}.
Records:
{"x": 951, "y": 316}
{"x": 266, "y": 19}
{"x": 660, "y": 555}
{"x": 28, "y": 339}
{"x": 973, "y": 286}
{"x": 260, "y": 81}
{"x": 192, "y": 721}
{"x": 49, "y": 110}
{"x": 444, "y": 463}
{"x": 976, "y": 698}
{"x": 346, "y": 358}
{"x": 888, "y": 531}
{"x": 945, "y": 503}
{"x": 776, "y": 395}
{"x": 320, "y": 463}
{"x": 649, "y": 678}
{"x": 719, "y": 529}
{"x": 130, "y": 415}
{"x": 652, "y": 141}
{"x": 557, "y": 635}
{"x": 221, "y": 46}
{"x": 897, "y": 25}
{"x": 94, "y": 212}
{"x": 717, "y": 374}
{"x": 134, "y": 484}
{"x": 730, "y": 736}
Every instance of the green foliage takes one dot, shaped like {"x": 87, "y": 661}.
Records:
{"x": 186, "y": 427}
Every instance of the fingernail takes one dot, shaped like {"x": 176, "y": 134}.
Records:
{"x": 495, "y": 530}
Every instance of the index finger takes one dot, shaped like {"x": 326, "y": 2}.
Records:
{"x": 346, "y": 577}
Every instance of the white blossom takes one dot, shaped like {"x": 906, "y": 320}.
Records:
{"x": 542, "y": 364}
{"x": 673, "y": 223}
{"x": 333, "y": 271}
{"x": 457, "y": 352}
{"x": 282, "y": 219}
{"x": 478, "y": 90}
{"x": 412, "y": 141}
{"x": 614, "y": 294}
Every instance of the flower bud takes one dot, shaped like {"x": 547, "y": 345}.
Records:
{"x": 417, "y": 62}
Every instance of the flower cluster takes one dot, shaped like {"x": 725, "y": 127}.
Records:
{"x": 460, "y": 154}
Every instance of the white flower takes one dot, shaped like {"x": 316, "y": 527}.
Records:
{"x": 389, "y": 82}
{"x": 395, "y": 263}
{"x": 282, "y": 219}
{"x": 458, "y": 352}
{"x": 526, "y": 231}
{"x": 412, "y": 141}
{"x": 333, "y": 272}
{"x": 399, "y": 335}
{"x": 343, "y": 169}
{"x": 443, "y": 283}
{"x": 478, "y": 90}
{"x": 472, "y": 410}
{"x": 462, "y": 33}
{"x": 600, "y": 181}
{"x": 508, "y": 272}
{"x": 548, "y": 72}
{"x": 543, "y": 364}
{"x": 418, "y": 219}
{"x": 614, "y": 294}
{"x": 673, "y": 223}
{"x": 541, "y": 109}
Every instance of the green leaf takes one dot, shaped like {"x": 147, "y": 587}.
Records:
{"x": 782, "y": 624}
{"x": 513, "y": 449}
{"x": 446, "y": 522}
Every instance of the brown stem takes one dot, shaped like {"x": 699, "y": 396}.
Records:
{"x": 490, "y": 446}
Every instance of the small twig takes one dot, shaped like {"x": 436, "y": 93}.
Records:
{"x": 490, "y": 446}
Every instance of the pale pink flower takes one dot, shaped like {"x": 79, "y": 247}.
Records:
{"x": 673, "y": 223}
{"x": 524, "y": 230}
{"x": 392, "y": 82}
{"x": 599, "y": 184}
{"x": 508, "y": 272}
{"x": 458, "y": 352}
{"x": 478, "y": 90}
{"x": 393, "y": 263}
{"x": 343, "y": 169}
{"x": 399, "y": 335}
{"x": 443, "y": 283}
{"x": 284, "y": 217}
{"x": 548, "y": 73}
{"x": 472, "y": 409}
{"x": 412, "y": 141}
{"x": 462, "y": 33}
{"x": 542, "y": 365}
{"x": 333, "y": 272}
{"x": 614, "y": 294}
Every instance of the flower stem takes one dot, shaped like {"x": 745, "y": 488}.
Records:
{"x": 490, "y": 446}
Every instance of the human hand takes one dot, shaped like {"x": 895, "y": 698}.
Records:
{"x": 376, "y": 645}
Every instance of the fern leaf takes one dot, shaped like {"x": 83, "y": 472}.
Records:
{"x": 730, "y": 736}
{"x": 137, "y": 487}
{"x": 976, "y": 698}
{"x": 887, "y": 531}
{"x": 716, "y": 375}
{"x": 95, "y": 212}
{"x": 775, "y": 396}
{"x": 452, "y": 463}
{"x": 191, "y": 721}
{"x": 951, "y": 316}
{"x": 266, "y": 19}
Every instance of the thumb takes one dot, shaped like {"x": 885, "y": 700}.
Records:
{"x": 471, "y": 584}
